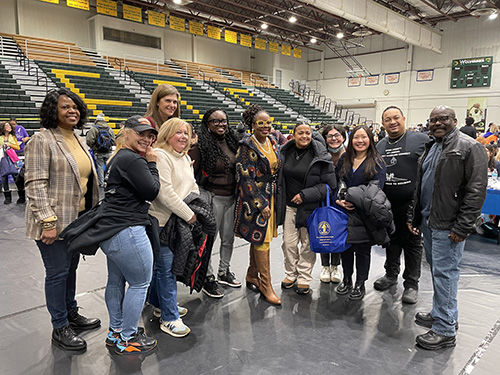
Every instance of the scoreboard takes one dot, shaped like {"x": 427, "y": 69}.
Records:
{"x": 474, "y": 72}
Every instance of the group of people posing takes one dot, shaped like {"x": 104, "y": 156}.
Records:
{"x": 389, "y": 190}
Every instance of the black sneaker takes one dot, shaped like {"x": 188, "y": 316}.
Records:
{"x": 66, "y": 338}
{"x": 211, "y": 288}
{"x": 82, "y": 323}
{"x": 113, "y": 337}
{"x": 228, "y": 278}
{"x": 137, "y": 344}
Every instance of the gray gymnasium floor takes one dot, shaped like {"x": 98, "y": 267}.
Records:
{"x": 314, "y": 334}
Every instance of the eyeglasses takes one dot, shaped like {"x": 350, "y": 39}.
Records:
{"x": 216, "y": 121}
{"x": 150, "y": 136}
{"x": 262, "y": 123}
{"x": 440, "y": 119}
{"x": 336, "y": 135}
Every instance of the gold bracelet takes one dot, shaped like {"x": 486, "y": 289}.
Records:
{"x": 49, "y": 225}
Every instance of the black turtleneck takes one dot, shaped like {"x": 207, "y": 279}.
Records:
{"x": 295, "y": 167}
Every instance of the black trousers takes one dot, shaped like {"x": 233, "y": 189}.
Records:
{"x": 330, "y": 259}
{"x": 403, "y": 241}
{"x": 363, "y": 258}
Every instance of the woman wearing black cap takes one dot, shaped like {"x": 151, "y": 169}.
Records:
{"x": 132, "y": 182}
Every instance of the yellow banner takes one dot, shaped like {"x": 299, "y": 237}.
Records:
{"x": 213, "y": 32}
{"x": 51, "y": 1}
{"x": 78, "y": 4}
{"x": 177, "y": 23}
{"x": 245, "y": 40}
{"x": 297, "y": 52}
{"x": 231, "y": 36}
{"x": 196, "y": 28}
{"x": 274, "y": 47}
{"x": 132, "y": 13}
{"x": 156, "y": 18}
{"x": 286, "y": 50}
{"x": 260, "y": 43}
{"x": 107, "y": 7}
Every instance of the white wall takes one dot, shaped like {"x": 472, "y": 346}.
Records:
{"x": 468, "y": 37}
{"x": 7, "y": 17}
{"x": 52, "y": 21}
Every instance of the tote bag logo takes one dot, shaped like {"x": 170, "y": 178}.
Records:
{"x": 324, "y": 228}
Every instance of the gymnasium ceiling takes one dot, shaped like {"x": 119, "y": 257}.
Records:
{"x": 318, "y": 21}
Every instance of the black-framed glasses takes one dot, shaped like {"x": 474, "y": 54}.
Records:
{"x": 336, "y": 135}
{"x": 216, "y": 121}
{"x": 441, "y": 119}
{"x": 150, "y": 136}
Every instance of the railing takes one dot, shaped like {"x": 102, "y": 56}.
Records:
{"x": 132, "y": 78}
{"x": 230, "y": 71}
{"x": 39, "y": 78}
{"x": 180, "y": 64}
{"x": 138, "y": 61}
{"x": 261, "y": 78}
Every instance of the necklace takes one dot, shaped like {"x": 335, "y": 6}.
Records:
{"x": 297, "y": 155}
{"x": 397, "y": 139}
{"x": 267, "y": 149}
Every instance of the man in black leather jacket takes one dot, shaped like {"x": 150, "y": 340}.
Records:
{"x": 449, "y": 194}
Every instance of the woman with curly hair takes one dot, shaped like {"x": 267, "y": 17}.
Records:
{"x": 214, "y": 167}
{"x": 61, "y": 183}
{"x": 257, "y": 166}
{"x": 164, "y": 104}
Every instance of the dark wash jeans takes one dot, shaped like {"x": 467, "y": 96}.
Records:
{"x": 60, "y": 280}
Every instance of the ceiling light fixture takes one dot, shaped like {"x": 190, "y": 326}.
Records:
{"x": 340, "y": 35}
{"x": 177, "y": 1}
{"x": 264, "y": 26}
{"x": 292, "y": 19}
{"x": 313, "y": 40}
{"x": 493, "y": 16}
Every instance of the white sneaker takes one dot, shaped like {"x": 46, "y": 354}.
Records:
{"x": 175, "y": 328}
{"x": 182, "y": 311}
{"x": 335, "y": 274}
{"x": 325, "y": 274}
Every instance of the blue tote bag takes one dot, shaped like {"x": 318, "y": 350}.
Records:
{"x": 327, "y": 228}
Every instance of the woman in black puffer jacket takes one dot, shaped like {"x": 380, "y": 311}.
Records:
{"x": 307, "y": 168}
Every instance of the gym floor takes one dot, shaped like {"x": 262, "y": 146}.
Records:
{"x": 319, "y": 333}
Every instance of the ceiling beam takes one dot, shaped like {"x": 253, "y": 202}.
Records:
{"x": 438, "y": 10}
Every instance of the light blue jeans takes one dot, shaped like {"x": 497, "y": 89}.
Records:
{"x": 443, "y": 256}
{"x": 130, "y": 259}
{"x": 100, "y": 163}
{"x": 163, "y": 292}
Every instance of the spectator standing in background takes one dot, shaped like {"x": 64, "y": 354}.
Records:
{"x": 469, "y": 128}
{"x": 21, "y": 135}
{"x": 101, "y": 139}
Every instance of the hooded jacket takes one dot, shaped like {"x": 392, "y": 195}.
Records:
{"x": 319, "y": 172}
{"x": 93, "y": 132}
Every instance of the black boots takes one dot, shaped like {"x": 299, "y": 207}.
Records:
{"x": 8, "y": 196}
{"x": 82, "y": 323}
{"x": 67, "y": 339}
{"x": 22, "y": 197}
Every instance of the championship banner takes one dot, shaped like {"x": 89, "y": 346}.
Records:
{"x": 245, "y": 40}
{"x": 286, "y": 50}
{"x": 274, "y": 47}
{"x": 78, "y": 4}
{"x": 297, "y": 53}
{"x": 51, "y": 1}
{"x": 231, "y": 36}
{"x": 132, "y": 13}
{"x": 213, "y": 32}
{"x": 260, "y": 43}
{"x": 196, "y": 28}
{"x": 177, "y": 23}
{"x": 107, "y": 7}
{"x": 156, "y": 18}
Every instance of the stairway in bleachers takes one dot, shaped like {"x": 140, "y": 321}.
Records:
{"x": 98, "y": 89}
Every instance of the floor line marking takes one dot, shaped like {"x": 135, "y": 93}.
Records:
{"x": 476, "y": 356}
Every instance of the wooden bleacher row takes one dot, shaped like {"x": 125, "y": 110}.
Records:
{"x": 50, "y": 50}
{"x": 141, "y": 66}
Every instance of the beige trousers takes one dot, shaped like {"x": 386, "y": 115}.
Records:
{"x": 298, "y": 257}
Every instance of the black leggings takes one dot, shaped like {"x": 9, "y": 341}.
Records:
{"x": 363, "y": 257}
{"x": 328, "y": 259}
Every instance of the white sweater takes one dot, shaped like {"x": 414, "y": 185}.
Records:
{"x": 177, "y": 181}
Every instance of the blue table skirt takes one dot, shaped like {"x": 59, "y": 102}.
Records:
{"x": 492, "y": 202}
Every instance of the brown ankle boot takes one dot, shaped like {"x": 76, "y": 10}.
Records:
{"x": 252, "y": 278}
{"x": 263, "y": 265}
